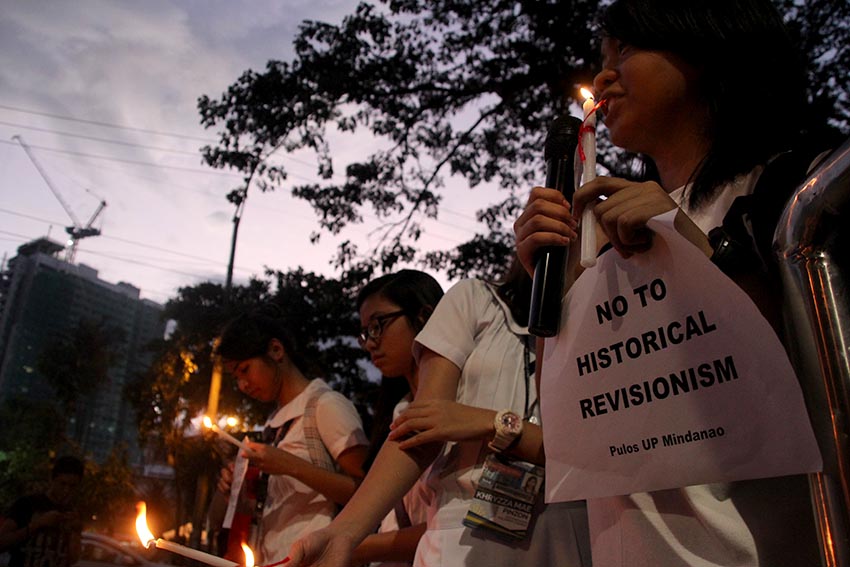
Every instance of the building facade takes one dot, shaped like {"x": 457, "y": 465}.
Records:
{"x": 43, "y": 297}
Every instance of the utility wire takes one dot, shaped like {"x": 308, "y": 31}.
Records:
{"x": 296, "y": 176}
{"x": 97, "y": 139}
{"x": 124, "y": 240}
{"x": 106, "y": 124}
{"x": 129, "y": 161}
{"x": 160, "y": 133}
{"x": 131, "y": 144}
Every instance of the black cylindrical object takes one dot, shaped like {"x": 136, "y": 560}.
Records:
{"x": 548, "y": 287}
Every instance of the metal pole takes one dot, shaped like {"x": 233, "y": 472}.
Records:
{"x": 811, "y": 242}
{"x": 237, "y": 217}
{"x": 203, "y": 486}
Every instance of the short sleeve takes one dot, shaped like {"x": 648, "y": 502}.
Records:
{"x": 339, "y": 423}
{"x": 452, "y": 329}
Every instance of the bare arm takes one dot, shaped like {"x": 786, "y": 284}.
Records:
{"x": 392, "y": 474}
{"x": 432, "y": 421}
{"x": 398, "y": 545}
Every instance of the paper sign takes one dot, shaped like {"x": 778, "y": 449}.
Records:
{"x": 240, "y": 467}
{"x": 665, "y": 375}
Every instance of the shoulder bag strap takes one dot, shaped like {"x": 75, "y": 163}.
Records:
{"x": 319, "y": 454}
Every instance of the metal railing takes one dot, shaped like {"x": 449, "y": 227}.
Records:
{"x": 812, "y": 241}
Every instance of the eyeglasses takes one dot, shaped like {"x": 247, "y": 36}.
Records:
{"x": 375, "y": 328}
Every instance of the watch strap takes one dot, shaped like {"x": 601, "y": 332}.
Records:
{"x": 503, "y": 437}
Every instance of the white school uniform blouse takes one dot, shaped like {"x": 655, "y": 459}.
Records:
{"x": 474, "y": 329}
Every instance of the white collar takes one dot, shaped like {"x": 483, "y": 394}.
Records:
{"x": 295, "y": 408}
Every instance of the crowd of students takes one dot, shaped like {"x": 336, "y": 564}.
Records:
{"x": 671, "y": 80}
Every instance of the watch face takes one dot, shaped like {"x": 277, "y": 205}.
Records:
{"x": 511, "y": 421}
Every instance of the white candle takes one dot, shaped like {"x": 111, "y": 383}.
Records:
{"x": 207, "y": 558}
{"x": 221, "y": 433}
{"x": 588, "y": 146}
{"x": 147, "y": 539}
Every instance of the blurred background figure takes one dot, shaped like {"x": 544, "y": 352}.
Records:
{"x": 43, "y": 529}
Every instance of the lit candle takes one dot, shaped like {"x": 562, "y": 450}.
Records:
{"x": 249, "y": 555}
{"x": 223, "y": 434}
{"x": 148, "y": 540}
{"x": 588, "y": 157}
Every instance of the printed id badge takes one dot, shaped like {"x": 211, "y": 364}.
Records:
{"x": 505, "y": 496}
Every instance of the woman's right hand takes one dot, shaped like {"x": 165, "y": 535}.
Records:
{"x": 322, "y": 548}
{"x": 545, "y": 221}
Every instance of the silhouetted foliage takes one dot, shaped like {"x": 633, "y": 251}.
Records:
{"x": 108, "y": 496}
{"x": 450, "y": 87}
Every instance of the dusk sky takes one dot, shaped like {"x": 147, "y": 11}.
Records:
{"x": 105, "y": 94}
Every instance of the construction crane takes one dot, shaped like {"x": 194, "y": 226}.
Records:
{"x": 77, "y": 231}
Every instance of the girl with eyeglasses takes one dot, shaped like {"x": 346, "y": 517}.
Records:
{"x": 393, "y": 309}
{"x": 316, "y": 445}
{"x": 474, "y": 364}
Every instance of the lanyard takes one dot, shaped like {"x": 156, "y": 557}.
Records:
{"x": 528, "y": 371}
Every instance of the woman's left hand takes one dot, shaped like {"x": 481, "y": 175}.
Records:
{"x": 629, "y": 206}
{"x": 624, "y": 214}
{"x": 429, "y": 421}
{"x": 271, "y": 460}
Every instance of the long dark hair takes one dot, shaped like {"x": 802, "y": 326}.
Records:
{"x": 248, "y": 335}
{"x": 417, "y": 294}
{"x": 514, "y": 288}
{"x": 751, "y": 76}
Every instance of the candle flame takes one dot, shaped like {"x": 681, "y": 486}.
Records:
{"x": 586, "y": 93}
{"x": 145, "y": 534}
{"x": 208, "y": 422}
{"x": 249, "y": 555}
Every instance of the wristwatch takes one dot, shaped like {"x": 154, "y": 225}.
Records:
{"x": 508, "y": 428}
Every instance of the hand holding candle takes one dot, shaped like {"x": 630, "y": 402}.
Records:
{"x": 221, "y": 433}
{"x": 588, "y": 158}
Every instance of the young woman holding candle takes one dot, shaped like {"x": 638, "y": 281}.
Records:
{"x": 710, "y": 92}
{"x": 316, "y": 446}
{"x": 474, "y": 362}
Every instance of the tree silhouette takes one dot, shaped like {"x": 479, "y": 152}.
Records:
{"x": 449, "y": 88}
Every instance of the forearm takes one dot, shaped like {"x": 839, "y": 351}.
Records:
{"x": 527, "y": 447}
{"x": 390, "y": 477}
{"x": 399, "y": 545}
{"x": 337, "y": 487}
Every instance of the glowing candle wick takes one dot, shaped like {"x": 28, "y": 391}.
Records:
{"x": 148, "y": 540}
{"x": 223, "y": 434}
